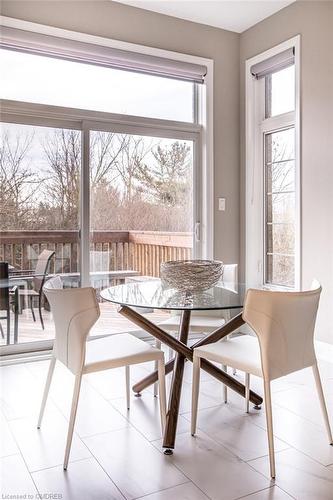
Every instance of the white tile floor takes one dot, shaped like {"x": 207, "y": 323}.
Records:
{"x": 117, "y": 454}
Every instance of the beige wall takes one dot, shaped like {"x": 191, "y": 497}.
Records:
{"x": 113, "y": 20}
{"x": 314, "y": 22}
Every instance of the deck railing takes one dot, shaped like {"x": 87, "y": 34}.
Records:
{"x": 142, "y": 251}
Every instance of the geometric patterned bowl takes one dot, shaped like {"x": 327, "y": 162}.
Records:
{"x": 191, "y": 275}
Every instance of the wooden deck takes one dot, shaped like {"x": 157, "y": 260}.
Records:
{"x": 109, "y": 322}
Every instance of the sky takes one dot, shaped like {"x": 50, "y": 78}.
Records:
{"x": 65, "y": 83}
{"x": 283, "y": 91}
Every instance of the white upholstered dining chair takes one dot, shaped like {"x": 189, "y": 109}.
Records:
{"x": 284, "y": 324}
{"x": 75, "y": 311}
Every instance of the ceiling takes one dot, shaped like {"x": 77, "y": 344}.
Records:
{"x": 233, "y": 15}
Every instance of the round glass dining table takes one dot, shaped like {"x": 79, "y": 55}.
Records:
{"x": 135, "y": 298}
{"x": 155, "y": 294}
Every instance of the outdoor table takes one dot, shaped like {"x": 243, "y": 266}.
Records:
{"x": 155, "y": 294}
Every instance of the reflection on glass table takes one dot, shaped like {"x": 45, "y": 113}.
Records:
{"x": 158, "y": 295}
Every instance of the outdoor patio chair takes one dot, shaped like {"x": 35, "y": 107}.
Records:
{"x": 35, "y": 281}
{"x": 75, "y": 311}
{"x": 284, "y": 324}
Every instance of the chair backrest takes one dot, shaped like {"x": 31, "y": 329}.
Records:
{"x": 284, "y": 323}
{"x": 4, "y": 288}
{"x": 75, "y": 311}
{"x": 42, "y": 266}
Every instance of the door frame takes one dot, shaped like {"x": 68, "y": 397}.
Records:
{"x": 23, "y": 113}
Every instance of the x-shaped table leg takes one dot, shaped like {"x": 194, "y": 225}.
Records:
{"x": 184, "y": 352}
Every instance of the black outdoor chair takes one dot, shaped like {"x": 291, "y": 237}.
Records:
{"x": 35, "y": 281}
{"x": 8, "y": 300}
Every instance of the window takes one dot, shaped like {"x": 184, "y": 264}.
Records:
{"x": 272, "y": 169}
{"x": 280, "y": 92}
{"x": 109, "y": 170}
{"x": 280, "y": 207}
{"x": 59, "y": 82}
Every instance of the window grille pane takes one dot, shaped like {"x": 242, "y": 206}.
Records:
{"x": 280, "y": 239}
{"x": 280, "y": 270}
{"x": 280, "y": 92}
{"x": 71, "y": 84}
{"x": 280, "y": 207}
{"x": 281, "y": 176}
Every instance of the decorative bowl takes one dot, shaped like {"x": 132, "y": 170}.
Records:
{"x": 191, "y": 275}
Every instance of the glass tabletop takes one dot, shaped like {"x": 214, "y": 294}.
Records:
{"x": 155, "y": 294}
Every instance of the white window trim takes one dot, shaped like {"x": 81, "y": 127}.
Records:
{"x": 254, "y": 194}
{"x": 204, "y": 113}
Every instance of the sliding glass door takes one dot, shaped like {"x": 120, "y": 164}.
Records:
{"x": 141, "y": 210}
{"x": 40, "y": 175}
{"x": 97, "y": 203}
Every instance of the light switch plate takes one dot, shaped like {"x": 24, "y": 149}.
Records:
{"x": 222, "y": 204}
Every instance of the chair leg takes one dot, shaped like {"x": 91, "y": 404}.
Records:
{"x": 1, "y": 331}
{"x": 161, "y": 383}
{"x": 32, "y": 309}
{"x": 16, "y": 311}
{"x": 75, "y": 401}
{"x": 269, "y": 422}
{"x": 128, "y": 379}
{"x": 247, "y": 392}
{"x": 158, "y": 345}
{"x": 46, "y": 390}
{"x": 8, "y": 326}
{"x": 195, "y": 393}
{"x": 321, "y": 396}
{"x": 40, "y": 311}
{"x": 225, "y": 388}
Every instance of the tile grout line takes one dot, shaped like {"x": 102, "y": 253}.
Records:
{"x": 105, "y": 472}
{"x": 171, "y": 487}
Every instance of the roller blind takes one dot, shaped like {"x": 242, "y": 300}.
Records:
{"x": 51, "y": 46}
{"x": 274, "y": 63}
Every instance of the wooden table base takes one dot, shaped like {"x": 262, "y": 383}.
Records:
{"x": 183, "y": 353}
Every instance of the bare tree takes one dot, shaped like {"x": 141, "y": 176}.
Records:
{"x": 135, "y": 182}
{"x": 18, "y": 182}
{"x": 130, "y": 161}
{"x": 63, "y": 153}
{"x": 105, "y": 150}
{"x": 280, "y": 187}
{"x": 167, "y": 178}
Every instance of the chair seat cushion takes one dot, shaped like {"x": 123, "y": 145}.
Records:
{"x": 118, "y": 350}
{"x": 242, "y": 353}
{"x": 198, "y": 323}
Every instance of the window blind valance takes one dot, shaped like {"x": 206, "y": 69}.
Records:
{"x": 89, "y": 53}
{"x": 274, "y": 63}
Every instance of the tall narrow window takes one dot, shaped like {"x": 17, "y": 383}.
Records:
{"x": 272, "y": 179}
{"x": 280, "y": 207}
